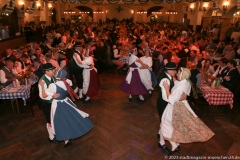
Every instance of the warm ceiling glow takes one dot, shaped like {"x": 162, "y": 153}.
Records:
{"x": 226, "y": 3}
{"x": 205, "y": 5}
{"x": 21, "y": 3}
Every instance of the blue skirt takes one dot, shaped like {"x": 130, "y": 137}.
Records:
{"x": 68, "y": 123}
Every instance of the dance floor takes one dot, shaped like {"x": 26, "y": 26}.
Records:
{"x": 122, "y": 130}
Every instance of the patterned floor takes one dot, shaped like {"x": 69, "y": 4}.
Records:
{"x": 123, "y": 130}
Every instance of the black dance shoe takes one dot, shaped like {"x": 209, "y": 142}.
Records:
{"x": 53, "y": 140}
{"x": 164, "y": 148}
{"x": 175, "y": 150}
{"x": 68, "y": 143}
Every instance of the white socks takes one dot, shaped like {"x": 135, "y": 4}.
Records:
{"x": 50, "y": 133}
{"x": 161, "y": 141}
{"x": 174, "y": 145}
{"x": 150, "y": 91}
{"x": 87, "y": 98}
{"x": 76, "y": 90}
{"x": 80, "y": 93}
{"x": 141, "y": 97}
{"x": 130, "y": 96}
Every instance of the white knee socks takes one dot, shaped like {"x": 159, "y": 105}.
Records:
{"x": 50, "y": 133}
{"x": 80, "y": 93}
{"x": 174, "y": 145}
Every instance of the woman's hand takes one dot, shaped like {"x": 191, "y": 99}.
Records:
{"x": 165, "y": 85}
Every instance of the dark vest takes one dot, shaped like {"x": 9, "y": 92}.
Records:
{"x": 223, "y": 73}
{"x": 193, "y": 77}
{"x": 44, "y": 78}
{"x": 113, "y": 54}
{"x": 161, "y": 102}
{"x": 8, "y": 75}
{"x": 74, "y": 62}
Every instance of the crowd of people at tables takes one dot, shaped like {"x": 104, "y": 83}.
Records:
{"x": 82, "y": 51}
{"x": 110, "y": 41}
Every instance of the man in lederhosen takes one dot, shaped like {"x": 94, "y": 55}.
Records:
{"x": 48, "y": 78}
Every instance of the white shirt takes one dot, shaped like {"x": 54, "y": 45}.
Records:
{"x": 164, "y": 94}
{"x": 3, "y": 78}
{"x": 49, "y": 94}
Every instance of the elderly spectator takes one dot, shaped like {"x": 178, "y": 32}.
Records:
{"x": 228, "y": 52}
{"x": 10, "y": 56}
{"x": 208, "y": 67}
{"x": 6, "y": 75}
{"x": 232, "y": 77}
{"x": 222, "y": 69}
{"x": 37, "y": 68}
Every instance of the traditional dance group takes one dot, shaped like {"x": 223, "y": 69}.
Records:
{"x": 179, "y": 123}
{"x": 65, "y": 121}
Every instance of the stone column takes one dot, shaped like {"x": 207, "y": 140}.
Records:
{"x": 59, "y": 12}
{"x": 226, "y": 24}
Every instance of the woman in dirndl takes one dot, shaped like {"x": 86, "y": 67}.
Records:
{"x": 68, "y": 122}
{"x": 179, "y": 123}
{"x": 132, "y": 84}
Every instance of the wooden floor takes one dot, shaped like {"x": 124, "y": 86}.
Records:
{"x": 123, "y": 130}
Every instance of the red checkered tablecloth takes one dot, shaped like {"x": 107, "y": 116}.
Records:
{"x": 217, "y": 96}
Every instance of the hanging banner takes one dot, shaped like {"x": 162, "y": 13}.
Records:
{"x": 178, "y": 1}
{"x": 169, "y": 1}
{"x": 143, "y": 1}
{"x": 191, "y": 1}
{"x": 9, "y": 7}
{"x": 98, "y": 1}
{"x": 72, "y": 1}
{"x": 64, "y": 1}
{"x": 157, "y": 1}
{"x": 128, "y": 1}
{"x": 83, "y": 1}
{"x": 113, "y": 1}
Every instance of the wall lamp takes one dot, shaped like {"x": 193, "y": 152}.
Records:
{"x": 39, "y": 8}
{"x": 205, "y": 7}
{"x": 50, "y": 7}
{"x": 225, "y": 6}
{"x": 191, "y": 8}
{"x": 21, "y": 4}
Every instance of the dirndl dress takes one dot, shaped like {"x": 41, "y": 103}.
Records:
{"x": 68, "y": 122}
{"x": 134, "y": 86}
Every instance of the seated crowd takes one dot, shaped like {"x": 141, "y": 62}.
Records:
{"x": 111, "y": 44}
